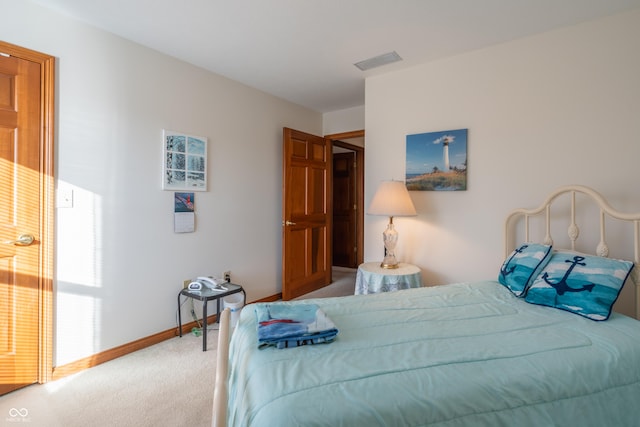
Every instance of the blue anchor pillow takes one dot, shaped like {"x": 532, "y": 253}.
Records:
{"x": 523, "y": 265}
{"x": 583, "y": 284}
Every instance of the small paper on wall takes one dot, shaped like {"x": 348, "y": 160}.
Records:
{"x": 184, "y": 216}
{"x": 184, "y": 222}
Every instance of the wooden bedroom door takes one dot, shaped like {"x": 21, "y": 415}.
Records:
{"x": 25, "y": 171}
{"x": 306, "y": 213}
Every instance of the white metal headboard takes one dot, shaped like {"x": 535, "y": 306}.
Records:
{"x": 573, "y": 231}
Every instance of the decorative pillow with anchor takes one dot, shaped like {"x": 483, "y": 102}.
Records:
{"x": 523, "y": 265}
{"x": 587, "y": 285}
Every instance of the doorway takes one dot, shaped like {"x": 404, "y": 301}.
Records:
{"x": 306, "y": 212}
{"x": 348, "y": 198}
{"x": 307, "y": 208}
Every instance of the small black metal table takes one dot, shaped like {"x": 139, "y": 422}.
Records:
{"x": 205, "y": 295}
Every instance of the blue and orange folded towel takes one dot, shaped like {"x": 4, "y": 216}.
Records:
{"x": 291, "y": 325}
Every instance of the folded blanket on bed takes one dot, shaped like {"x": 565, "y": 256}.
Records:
{"x": 293, "y": 325}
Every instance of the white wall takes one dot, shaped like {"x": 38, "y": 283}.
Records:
{"x": 545, "y": 111}
{"x": 341, "y": 121}
{"x": 119, "y": 265}
{"x": 555, "y": 109}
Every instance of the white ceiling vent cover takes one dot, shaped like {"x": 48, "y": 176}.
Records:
{"x": 377, "y": 61}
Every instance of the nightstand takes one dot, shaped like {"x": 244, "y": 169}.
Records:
{"x": 205, "y": 295}
{"x": 371, "y": 278}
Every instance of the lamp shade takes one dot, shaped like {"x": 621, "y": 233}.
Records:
{"x": 392, "y": 199}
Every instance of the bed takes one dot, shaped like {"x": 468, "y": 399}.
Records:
{"x": 467, "y": 354}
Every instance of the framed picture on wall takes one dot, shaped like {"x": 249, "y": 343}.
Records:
{"x": 184, "y": 161}
{"x": 437, "y": 161}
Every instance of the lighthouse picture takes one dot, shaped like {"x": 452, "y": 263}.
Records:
{"x": 445, "y": 141}
{"x": 437, "y": 161}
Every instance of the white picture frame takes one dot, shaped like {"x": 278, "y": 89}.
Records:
{"x": 184, "y": 161}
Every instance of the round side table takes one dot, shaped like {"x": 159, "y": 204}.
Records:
{"x": 371, "y": 278}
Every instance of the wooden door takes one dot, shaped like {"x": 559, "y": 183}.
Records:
{"x": 344, "y": 210}
{"x": 25, "y": 166}
{"x": 306, "y": 213}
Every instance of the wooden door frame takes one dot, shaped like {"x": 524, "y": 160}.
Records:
{"x": 336, "y": 140}
{"x": 47, "y": 205}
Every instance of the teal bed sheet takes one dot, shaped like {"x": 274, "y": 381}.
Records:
{"x": 468, "y": 354}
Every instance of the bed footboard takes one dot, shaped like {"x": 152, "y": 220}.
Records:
{"x": 220, "y": 391}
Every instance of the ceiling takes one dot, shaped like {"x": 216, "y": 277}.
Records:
{"x": 304, "y": 50}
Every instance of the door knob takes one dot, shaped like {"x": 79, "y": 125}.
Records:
{"x": 288, "y": 223}
{"x": 22, "y": 240}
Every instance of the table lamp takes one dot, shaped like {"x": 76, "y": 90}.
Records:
{"x": 391, "y": 199}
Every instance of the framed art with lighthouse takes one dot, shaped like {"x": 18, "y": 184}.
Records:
{"x": 437, "y": 161}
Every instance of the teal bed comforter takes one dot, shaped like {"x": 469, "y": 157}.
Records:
{"x": 467, "y": 354}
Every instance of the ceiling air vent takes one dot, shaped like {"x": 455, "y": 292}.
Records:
{"x": 377, "y": 61}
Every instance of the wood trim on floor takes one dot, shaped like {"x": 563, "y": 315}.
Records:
{"x": 113, "y": 353}
{"x": 271, "y": 298}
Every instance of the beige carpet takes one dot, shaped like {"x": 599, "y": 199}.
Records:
{"x": 168, "y": 384}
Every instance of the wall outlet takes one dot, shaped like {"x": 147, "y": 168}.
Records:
{"x": 185, "y": 283}
{"x": 227, "y": 276}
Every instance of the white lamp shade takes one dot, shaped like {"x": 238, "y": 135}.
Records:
{"x": 392, "y": 199}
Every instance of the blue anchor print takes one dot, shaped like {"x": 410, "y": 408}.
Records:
{"x": 561, "y": 287}
{"x": 507, "y": 271}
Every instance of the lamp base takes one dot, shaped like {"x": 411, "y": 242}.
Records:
{"x": 390, "y": 238}
{"x": 389, "y": 262}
